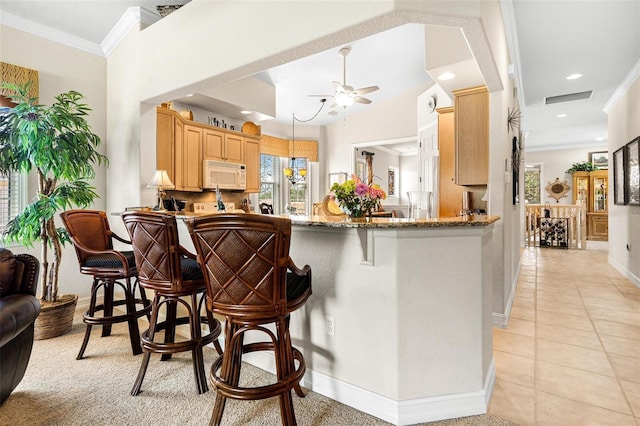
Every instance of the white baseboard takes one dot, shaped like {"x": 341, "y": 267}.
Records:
{"x": 624, "y": 271}
{"x": 396, "y": 412}
{"x": 501, "y": 320}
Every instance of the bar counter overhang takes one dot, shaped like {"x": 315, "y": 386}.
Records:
{"x": 410, "y": 303}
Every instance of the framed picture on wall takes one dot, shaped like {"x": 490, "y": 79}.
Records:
{"x": 633, "y": 172}
{"x": 620, "y": 195}
{"x": 599, "y": 159}
{"x": 340, "y": 177}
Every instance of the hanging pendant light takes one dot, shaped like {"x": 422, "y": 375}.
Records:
{"x": 293, "y": 173}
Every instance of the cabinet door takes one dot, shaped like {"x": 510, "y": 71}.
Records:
{"x": 581, "y": 188}
{"x": 234, "y": 148}
{"x": 472, "y": 136}
{"x": 252, "y": 158}
{"x": 213, "y": 145}
{"x": 189, "y": 160}
{"x": 450, "y": 194}
{"x": 165, "y": 141}
{"x": 599, "y": 192}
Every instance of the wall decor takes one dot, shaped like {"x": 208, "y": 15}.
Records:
{"x": 633, "y": 172}
{"x": 515, "y": 165}
{"x": 620, "y": 194}
{"x": 599, "y": 159}
{"x": 557, "y": 189}
{"x": 391, "y": 179}
{"x": 340, "y": 177}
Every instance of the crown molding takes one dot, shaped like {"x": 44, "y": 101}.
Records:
{"x": 132, "y": 17}
{"x": 628, "y": 81}
{"x": 52, "y": 34}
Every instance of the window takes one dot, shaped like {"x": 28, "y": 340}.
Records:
{"x": 298, "y": 193}
{"x": 270, "y": 172}
{"x": 532, "y": 183}
{"x": 12, "y": 198}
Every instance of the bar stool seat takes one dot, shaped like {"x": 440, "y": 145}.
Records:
{"x": 252, "y": 282}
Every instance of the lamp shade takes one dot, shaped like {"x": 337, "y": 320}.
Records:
{"x": 344, "y": 99}
{"x": 160, "y": 180}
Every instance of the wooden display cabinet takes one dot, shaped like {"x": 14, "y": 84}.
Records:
{"x": 591, "y": 189}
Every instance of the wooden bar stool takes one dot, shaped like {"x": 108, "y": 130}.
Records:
{"x": 246, "y": 263}
{"x": 172, "y": 273}
{"x": 93, "y": 241}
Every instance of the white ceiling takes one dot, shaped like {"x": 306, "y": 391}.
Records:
{"x": 599, "y": 39}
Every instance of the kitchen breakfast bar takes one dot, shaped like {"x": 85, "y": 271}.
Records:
{"x": 400, "y": 321}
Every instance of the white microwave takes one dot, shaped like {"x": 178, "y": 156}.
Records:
{"x": 224, "y": 175}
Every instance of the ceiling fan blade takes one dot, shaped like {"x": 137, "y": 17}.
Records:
{"x": 366, "y": 90}
{"x": 339, "y": 87}
{"x": 361, "y": 100}
{"x": 333, "y": 112}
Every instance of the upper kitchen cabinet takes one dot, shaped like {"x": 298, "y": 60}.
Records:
{"x": 252, "y": 160}
{"x": 472, "y": 136}
{"x": 223, "y": 146}
{"x": 450, "y": 194}
{"x": 179, "y": 150}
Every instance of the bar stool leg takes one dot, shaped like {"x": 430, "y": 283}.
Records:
{"x": 134, "y": 330}
{"x": 90, "y": 312}
{"x": 148, "y": 335}
{"x": 108, "y": 306}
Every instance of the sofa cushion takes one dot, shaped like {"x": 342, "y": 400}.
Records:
{"x": 7, "y": 272}
{"x": 17, "y": 312}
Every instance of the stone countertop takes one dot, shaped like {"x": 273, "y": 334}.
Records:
{"x": 376, "y": 222}
{"x": 343, "y": 222}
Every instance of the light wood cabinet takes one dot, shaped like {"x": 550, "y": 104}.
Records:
{"x": 252, "y": 160}
{"x": 182, "y": 146}
{"x": 189, "y": 160}
{"x": 591, "y": 190}
{"x": 222, "y": 146}
{"x": 472, "y": 136}
{"x": 450, "y": 194}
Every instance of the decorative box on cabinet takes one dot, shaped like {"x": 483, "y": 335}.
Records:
{"x": 472, "y": 135}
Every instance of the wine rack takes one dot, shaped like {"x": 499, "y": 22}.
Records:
{"x": 554, "y": 232}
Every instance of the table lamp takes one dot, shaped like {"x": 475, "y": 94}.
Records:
{"x": 160, "y": 181}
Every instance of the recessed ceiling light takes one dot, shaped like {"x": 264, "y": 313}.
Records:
{"x": 189, "y": 95}
{"x": 574, "y": 76}
{"x": 561, "y": 115}
{"x": 446, "y": 76}
{"x": 245, "y": 112}
{"x": 601, "y": 138}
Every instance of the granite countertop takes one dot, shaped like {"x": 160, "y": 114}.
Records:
{"x": 383, "y": 222}
{"x": 376, "y": 222}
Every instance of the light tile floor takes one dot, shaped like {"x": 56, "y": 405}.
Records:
{"x": 571, "y": 352}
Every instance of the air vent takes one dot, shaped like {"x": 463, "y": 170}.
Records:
{"x": 568, "y": 98}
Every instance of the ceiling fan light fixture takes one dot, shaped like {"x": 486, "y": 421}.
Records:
{"x": 574, "y": 76}
{"x": 344, "y": 99}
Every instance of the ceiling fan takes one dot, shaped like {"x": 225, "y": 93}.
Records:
{"x": 346, "y": 95}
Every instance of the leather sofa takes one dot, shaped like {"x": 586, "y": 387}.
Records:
{"x": 19, "y": 309}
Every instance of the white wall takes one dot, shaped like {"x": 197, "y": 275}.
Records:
{"x": 61, "y": 69}
{"x": 624, "y": 221}
{"x": 554, "y": 164}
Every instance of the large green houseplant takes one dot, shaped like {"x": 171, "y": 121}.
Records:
{"x": 57, "y": 143}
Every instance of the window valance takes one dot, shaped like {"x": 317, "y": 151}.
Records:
{"x": 279, "y": 147}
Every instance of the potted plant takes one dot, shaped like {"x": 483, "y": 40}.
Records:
{"x": 584, "y": 166}
{"x": 57, "y": 142}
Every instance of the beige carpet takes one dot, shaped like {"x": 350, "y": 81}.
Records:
{"x": 58, "y": 390}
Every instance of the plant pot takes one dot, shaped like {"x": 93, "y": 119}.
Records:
{"x": 56, "y": 318}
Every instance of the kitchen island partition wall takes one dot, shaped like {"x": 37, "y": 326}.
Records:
{"x": 400, "y": 321}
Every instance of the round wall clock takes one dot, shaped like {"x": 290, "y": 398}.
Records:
{"x": 431, "y": 103}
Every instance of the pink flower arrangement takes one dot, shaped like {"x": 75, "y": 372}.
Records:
{"x": 356, "y": 198}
